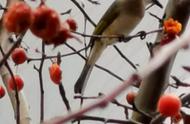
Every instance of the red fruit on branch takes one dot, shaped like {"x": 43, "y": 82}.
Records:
{"x": 55, "y": 73}
{"x": 19, "y": 83}
{"x": 172, "y": 27}
{"x": 61, "y": 37}
{"x": 2, "y": 92}
{"x": 72, "y": 24}
{"x": 46, "y": 22}
{"x": 18, "y": 18}
{"x": 169, "y": 105}
{"x": 131, "y": 97}
{"x": 18, "y": 55}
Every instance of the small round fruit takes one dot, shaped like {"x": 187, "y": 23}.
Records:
{"x": 131, "y": 97}
{"x": 19, "y": 83}
{"x": 18, "y": 55}
{"x": 72, "y": 24}
{"x": 55, "y": 73}
{"x": 2, "y": 92}
{"x": 169, "y": 105}
{"x": 62, "y": 35}
{"x": 18, "y": 18}
{"x": 46, "y": 22}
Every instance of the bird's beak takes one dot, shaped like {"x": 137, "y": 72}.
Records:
{"x": 156, "y": 2}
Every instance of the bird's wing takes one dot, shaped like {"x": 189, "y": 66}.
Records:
{"x": 106, "y": 20}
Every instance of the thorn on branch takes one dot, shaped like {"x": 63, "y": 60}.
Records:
{"x": 66, "y": 12}
{"x": 34, "y": 66}
{"x": 94, "y": 2}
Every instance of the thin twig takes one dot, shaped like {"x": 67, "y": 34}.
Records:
{"x": 141, "y": 34}
{"x": 51, "y": 57}
{"x": 63, "y": 96}
{"x": 41, "y": 84}
{"x": 125, "y": 58}
{"x": 83, "y": 12}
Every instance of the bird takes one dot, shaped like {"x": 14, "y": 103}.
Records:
{"x": 120, "y": 19}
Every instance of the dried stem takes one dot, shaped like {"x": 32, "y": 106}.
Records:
{"x": 41, "y": 84}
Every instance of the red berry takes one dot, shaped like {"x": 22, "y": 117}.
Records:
{"x": 169, "y": 105}
{"x": 46, "y": 22}
{"x": 2, "y": 91}
{"x": 19, "y": 83}
{"x": 72, "y": 24}
{"x": 62, "y": 35}
{"x": 18, "y": 55}
{"x": 18, "y": 18}
{"x": 55, "y": 73}
{"x": 131, "y": 97}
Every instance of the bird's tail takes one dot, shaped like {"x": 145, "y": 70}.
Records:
{"x": 95, "y": 53}
{"x": 82, "y": 80}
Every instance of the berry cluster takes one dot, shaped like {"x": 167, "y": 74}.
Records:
{"x": 43, "y": 22}
{"x": 171, "y": 29}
